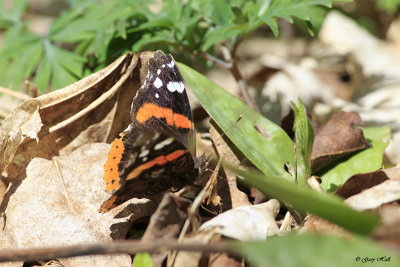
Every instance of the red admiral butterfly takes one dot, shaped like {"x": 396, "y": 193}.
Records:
{"x": 156, "y": 152}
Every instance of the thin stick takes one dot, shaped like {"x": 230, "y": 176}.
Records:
{"x": 10, "y": 92}
{"x": 116, "y": 247}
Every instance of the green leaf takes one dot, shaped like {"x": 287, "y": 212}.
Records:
{"x": 12, "y": 15}
{"x": 220, "y": 34}
{"x": 304, "y": 132}
{"x": 19, "y": 56}
{"x": 390, "y": 6}
{"x": 263, "y": 142}
{"x": 328, "y": 207}
{"x": 316, "y": 251}
{"x": 287, "y": 9}
{"x": 59, "y": 67}
{"x": 368, "y": 160}
{"x": 142, "y": 260}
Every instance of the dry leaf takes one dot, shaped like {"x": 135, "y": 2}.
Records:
{"x": 166, "y": 222}
{"x": 393, "y": 173}
{"x": 252, "y": 222}
{"x": 314, "y": 224}
{"x": 388, "y": 231}
{"x": 359, "y": 182}
{"x": 229, "y": 193}
{"x": 94, "y": 109}
{"x": 217, "y": 260}
{"x": 192, "y": 259}
{"x": 336, "y": 139}
{"x": 246, "y": 223}
{"x": 57, "y": 204}
{"x": 376, "y": 196}
{"x": 375, "y": 76}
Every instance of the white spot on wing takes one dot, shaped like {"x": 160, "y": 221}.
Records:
{"x": 163, "y": 143}
{"x": 158, "y": 83}
{"x": 157, "y": 95}
{"x": 163, "y": 65}
{"x": 176, "y": 86}
{"x": 144, "y": 159}
{"x": 158, "y": 72}
{"x": 171, "y": 64}
{"x": 144, "y": 153}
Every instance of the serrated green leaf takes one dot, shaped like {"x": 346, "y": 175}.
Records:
{"x": 58, "y": 67}
{"x": 19, "y": 57}
{"x": 43, "y": 74}
{"x": 368, "y": 160}
{"x": 316, "y": 251}
{"x": 328, "y": 207}
{"x": 263, "y": 142}
{"x": 287, "y": 9}
{"x": 219, "y": 34}
{"x": 273, "y": 25}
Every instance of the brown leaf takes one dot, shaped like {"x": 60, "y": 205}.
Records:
{"x": 93, "y": 109}
{"x": 393, "y": 173}
{"x": 359, "y": 182}
{"x": 225, "y": 260}
{"x": 59, "y": 201}
{"x": 372, "y": 198}
{"x": 227, "y": 187}
{"x": 166, "y": 223}
{"x": 336, "y": 139}
{"x": 314, "y": 224}
{"x": 388, "y": 231}
{"x": 246, "y": 223}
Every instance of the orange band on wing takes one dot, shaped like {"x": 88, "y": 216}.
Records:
{"x": 111, "y": 173}
{"x": 157, "y": 161}
{"x": 149, "y": 110}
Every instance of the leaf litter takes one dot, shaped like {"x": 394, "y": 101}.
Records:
{"x": 56, "y": 176}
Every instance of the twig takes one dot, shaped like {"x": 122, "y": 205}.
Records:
{"x": 217, "y": 61}
{"x": 241, "y": 81}
{"x": 9, "y": 92}
{"x": 314, "y": 184}
{"x": 117, "y": 247}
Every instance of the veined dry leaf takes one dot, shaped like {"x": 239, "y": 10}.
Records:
{"x": 336, "y": 139}
{"x": 93, "y": 109}
{"x": 57, "y": 204}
